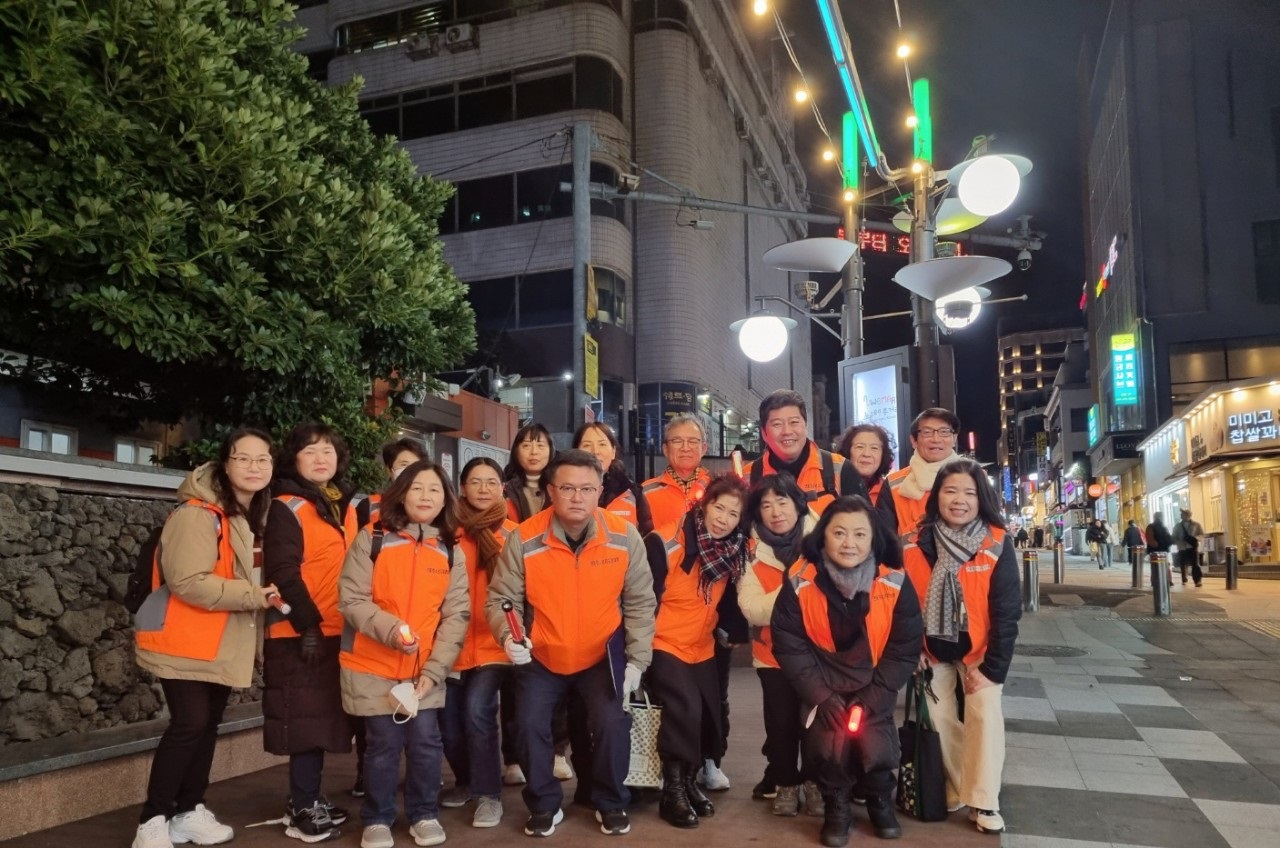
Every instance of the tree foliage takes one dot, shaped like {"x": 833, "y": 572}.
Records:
{"x": 192, "y": 227}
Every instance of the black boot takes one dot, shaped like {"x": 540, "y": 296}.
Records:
{"x": 701, "y": 803}
{"x": 837, "y": 820}
{"x": 674, "y": 806}
{"x": 883, "y": 821}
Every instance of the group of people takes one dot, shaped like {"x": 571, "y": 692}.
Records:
{"x": 414, "y": 621}
{"x": 1185, "y": 538}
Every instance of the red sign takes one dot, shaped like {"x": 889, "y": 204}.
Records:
{"x": 1095, "y": 491}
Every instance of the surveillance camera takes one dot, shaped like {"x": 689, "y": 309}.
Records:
{"x": 701, "y": 224}
{"x": 1024, "y": 259}
{"x": 486, "y": 435}
{"x": 628, "y": 183}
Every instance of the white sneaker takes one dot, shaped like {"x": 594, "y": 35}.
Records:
{"x": 153, "y": 833}
{"x": 199, "y": 826}
{"x": 427, "y": 832}
{"x": 712, "y": 777}
{"x": 988, "y": 821}
{"x": 513, "y": 775}
{"x": 377, "y": 836}
{"x": 488, "y": 812}
{"x": 562, "y": 770}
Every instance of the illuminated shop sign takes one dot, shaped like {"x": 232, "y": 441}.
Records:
{"x": 878, "y": 242}
{"x": 1124, "y": 369}
{"x": 1093, "y": 425}
{"x": 1108, "y": 267}
{"x": 1249, "y": 427}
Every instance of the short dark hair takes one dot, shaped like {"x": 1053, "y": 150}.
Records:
{"x": 782, "y": 484}
{"x": 530, "y": 432}
{"x": 844, "y": 446}
{"x": 391, "y": 450}
{"x": 721, "y": 485}
{"x": 256, "y": 514}
{"x": 884, "y": 545}
{"x": 477, "y": 461}
{"x": 935, "y": 412}
{"x": 779, "y": 399}
{"x": 572, "y": 457}
{"x": 988, "y": 503}
{"x": 393, "y": 516}
{"x": 305, "y": 435}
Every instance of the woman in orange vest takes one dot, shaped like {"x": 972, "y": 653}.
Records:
{"x": 405, "y": 605}
{"x": 966, "y": 573}
{"x": 704, "y": 554}
{"x": 780, "y": 517}
{"x": 848, "y": 637}
{"x": 306, "y": 541}
{"x": 469, "y": 722}
{"x": 197, "y": 632}
{"x": 531, "y": 451}
{"x": 870, "y": 449}
{"x": 620, "y": 494}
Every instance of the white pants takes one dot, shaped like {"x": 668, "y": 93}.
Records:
{"x": 972, "y": 750}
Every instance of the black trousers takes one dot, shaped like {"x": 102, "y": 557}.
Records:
{"x": 691, "y": 704}
{"x": 841, "y": 760}
{"x": 782, "y": 729}
{"x": 1190, "y": 557}
{"x": 180, "y": 767}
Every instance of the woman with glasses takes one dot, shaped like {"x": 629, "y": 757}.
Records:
{"x": 870, "y": 448}
{"x": 966, "y": 574}
{"x": 705, "y": 553}
{"x": 470, "y": 718}
{"x": 531, "y": 452}
{"x": 197, "y": 632}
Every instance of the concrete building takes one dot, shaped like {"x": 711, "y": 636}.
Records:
{"x": 483, "y": 93}
{"x": 1065, "y": 481}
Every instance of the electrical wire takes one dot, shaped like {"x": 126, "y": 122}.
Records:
{"x": 813, "y": 103}
{"x": 545, "y": 138}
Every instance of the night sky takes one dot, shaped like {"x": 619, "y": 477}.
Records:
{"x": 1009, "y": 68}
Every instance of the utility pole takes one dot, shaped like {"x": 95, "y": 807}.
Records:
{"x": 923, "y": 240}
{"x": 582, "y": 138}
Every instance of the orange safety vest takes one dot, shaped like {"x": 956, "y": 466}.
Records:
{"x": 574, "y": 598}
{"x": 624, "y": 506}
{"x": 479, "y": 647}
{"x": 819, "y": 479}
{"x": 686, "y": 620}
{"x": 909, "y": 510}
{"x": 770, "y": 580}
{"x": 324, "y": 547}
{"x": 668, "y": 502}
{"x": 410, "y": 581}
{"x": 975, "y": 584}
{"x": 185, "y": 630}
{"x": 879, "y": 620}
{"x": 375, "y": 512}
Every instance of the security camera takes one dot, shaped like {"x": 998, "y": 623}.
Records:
{"x": 628, "y": 183}
{"x": 486, "y": 435}
{"x": 1024, "y": 259}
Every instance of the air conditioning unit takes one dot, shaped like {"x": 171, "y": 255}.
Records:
{"x": 460, "y": 37}
{"x": 424, "y": 45}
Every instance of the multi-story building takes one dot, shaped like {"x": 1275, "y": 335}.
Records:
{"x": 1065, "y": 483}
{"x": 484, "y": 94}
{"x": 1182, "y": 213}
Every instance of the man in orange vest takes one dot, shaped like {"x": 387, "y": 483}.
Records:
{"x": 784, "y": 427}
{"x": 577, "y": 580}
{"x": 674, "y": 491}
{"x": 905, "y": 492}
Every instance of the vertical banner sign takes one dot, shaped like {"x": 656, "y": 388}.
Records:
{"x": 591, "y": 360}
{"x": 1124, "y": 369}
{"x": 1093, "y": 425}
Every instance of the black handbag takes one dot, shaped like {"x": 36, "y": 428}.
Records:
{"x": 922, "y": 788}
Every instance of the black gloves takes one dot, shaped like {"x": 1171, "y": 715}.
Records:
{"x": 832, "y": 712}
{"x": 312, "y": 645}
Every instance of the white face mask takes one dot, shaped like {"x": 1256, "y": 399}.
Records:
{"x": 404, "y": 697}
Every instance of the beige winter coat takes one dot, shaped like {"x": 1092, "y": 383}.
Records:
{"x": 757, "y": 604}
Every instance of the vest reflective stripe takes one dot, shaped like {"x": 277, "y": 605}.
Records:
{"x": 324, "y": 547}
{"x": 410, "y": 580}
{"x": 168, "y": 625}
{"x": 624, "y": 506}
{"x": 686, "y": 620}
{"x": 479, "y": 647}
{"x": 879, "y": 621}
{"x": 975, "y": 585}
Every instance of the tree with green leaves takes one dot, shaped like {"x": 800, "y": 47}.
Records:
{"x": 192, "y": 228}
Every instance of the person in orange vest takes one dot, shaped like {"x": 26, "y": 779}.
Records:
{"x": 784, "y": 428}
{"x": 780, "y": 517}
{"x": 197, "y": 632}
{"x": 404, "y": 602}
{"x": 848, "y": 637}
{"x": 531, "y": 450}
{"x": 579, "y": 585}
{"x": 621, "y": 495}
{"x": 680, "y": 486}
{"x": 309, "y": 526}
{"x": 870, "y": 448}
{"x": 396, "y": 457}
{"x": 905, "y": 492}
{"x": 470, "y": 717}
{"x": 705, "y": 553}
{"x": 966, "y": 574}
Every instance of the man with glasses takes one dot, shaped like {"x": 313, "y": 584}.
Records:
{"x": 578, "y": 580}
{"x": 674, "y": 491}
{"x": 906, "y": 491}
{"x": 784, "y": 428}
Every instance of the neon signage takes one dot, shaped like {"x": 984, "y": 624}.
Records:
{"x": 1108, "y": 267}
{"x": 1250, "y": 427}
{"x": 878, "y": 242}
{"x": 1124, "y": 369}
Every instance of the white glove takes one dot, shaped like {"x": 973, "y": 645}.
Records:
{"x": 630, "y": 680}
{"x": 519, "y": 653}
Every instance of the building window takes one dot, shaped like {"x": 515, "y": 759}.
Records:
{"x": 1266, "y": 260}
{"x": 136, "y": 451}
{"x": 486, "y": 202}
{"x": 524, "y": 197}
{"x": 1080, "y": 420}
{"x": 533, "y": 300}
{"x": 49, "y": 438}
{"x": 611, "y": 295}
{"x": 660, "y": 14}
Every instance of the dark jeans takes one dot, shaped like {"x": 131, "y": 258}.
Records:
{"x": 608, "y": 724}
{"x": 305, "y": 770}
{"x": 469, "y": 726}
{"x": 180, "y": 767}
{"x": 419, "y": 740}
{"x": 1190, "y": 557}
{"x": 724, "y": 661}
{"x": 782, "y": 728}
{"x": 866, "y": 759}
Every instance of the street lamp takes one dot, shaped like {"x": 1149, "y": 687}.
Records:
{"x": 763, "y": 336}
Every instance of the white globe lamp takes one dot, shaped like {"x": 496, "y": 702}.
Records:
{"x": 989, "y": 185}
{"x": 763, "y": 337}
{"x": 959, "y": 310}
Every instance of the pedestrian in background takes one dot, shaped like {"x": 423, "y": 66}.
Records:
{"x": 1133, "y": 541}
{"x": 197, "y": 632}
{"x": 1187, "y": 537}
{"x": 1159, "y": 539}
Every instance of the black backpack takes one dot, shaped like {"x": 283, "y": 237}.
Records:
{"x": 828, "y": 471}
{"x": 139, "y": 587}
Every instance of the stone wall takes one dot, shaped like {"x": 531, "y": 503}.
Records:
{"x": 66, "y": 643}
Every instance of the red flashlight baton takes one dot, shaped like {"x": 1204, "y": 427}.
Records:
{"x": 855, "y": 718}
{"x": 278, "y": 602}
{"x": 513, "y": 622}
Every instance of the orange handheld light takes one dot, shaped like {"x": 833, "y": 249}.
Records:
{"x": 278, "y": 602}
{"x": 737, "y": 465}
{"x": 855, "y": 718}
{"x": 406, "y": 635}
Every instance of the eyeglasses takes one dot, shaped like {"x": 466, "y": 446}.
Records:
{"x": 930, "y": 432}
{"x": 585, "y": 491}
{"x": 681, "y": 443}
{"x": 241, "y": 461}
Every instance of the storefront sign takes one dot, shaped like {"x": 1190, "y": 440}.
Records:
{"x": 1251, "y": 427}
{"x": 1199, "y": 449}
{"x": 1124, "y": 369}
{"x": 1093, "y": 425}
{"x": 591, "y": 361}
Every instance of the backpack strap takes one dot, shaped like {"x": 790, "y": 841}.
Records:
{"x": 828, "y": 473}
{"x": 375, "y": 542}
{"x": 757, "y": 470}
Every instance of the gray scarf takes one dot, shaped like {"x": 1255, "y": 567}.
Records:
{"x": 944, "y": 612}
{"x": 851, "y": 581}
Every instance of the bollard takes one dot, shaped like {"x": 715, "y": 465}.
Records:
{"x": 1030, "y": 581}
{"x": 1059, "y": 564}
{"x": 1160, "y": 583}
{"x": 1233, "y": 567}
{"x": 1135, "y": 566}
